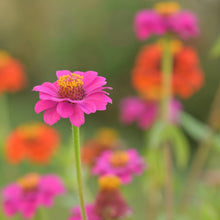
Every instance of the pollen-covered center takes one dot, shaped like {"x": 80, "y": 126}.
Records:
{"x": 71, "y": 86}
{"x": 109, "y": 182}
{"x": 167, "y": 8}
{"x": 29, "y": 182}
{"x": 119, "y": 159}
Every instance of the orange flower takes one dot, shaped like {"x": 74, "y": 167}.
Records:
{"x": 35, "y": 142}
{"x": 147, "y": 77}
{"x": 105, "y": 139}
{"x": 12, "y": 77}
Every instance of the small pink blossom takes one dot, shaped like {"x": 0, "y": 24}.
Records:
{"x": 30, "y": 193}
{"x": 150, "y": 22}
{"x": 123, "y": 164}
{"x": 76, "y": 213}
{"x": 134, "y": 109}
{"x": 72, "y": 95}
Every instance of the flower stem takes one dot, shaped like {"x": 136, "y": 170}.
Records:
{"x": 202, "y": 154}
{"x": 78, "y": 170}
{"x": 167, "y": 69}
{"x": 5, "y": 122}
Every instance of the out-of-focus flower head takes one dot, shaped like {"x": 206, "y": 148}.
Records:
{"x": 76, "y": 213}
{"x": 123, "y": 164}
{"x": 72, "y": 95}
{"x": 12, "y": 77}
{"x": 187, "y": 76}
{"x": 166, "y": 17}
{"x": 110, "y": 203}
{"x": 35, "y": 142}
{"x": 145, "y": 112}
{"x": 29, "y": 193}
{"x": 105, "y": 139}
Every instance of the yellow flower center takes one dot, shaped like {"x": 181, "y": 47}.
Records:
{"x": 71, "y": 86}
{"x": 119, "y": 159}
{"x": 29, "y": 132}
{"x": 175, "y": 45}
{"x": 29, "y": 182}
{"x": 167, "y": 8}
{"x": 109, "y": 182}
{"x": 107, "y": 136}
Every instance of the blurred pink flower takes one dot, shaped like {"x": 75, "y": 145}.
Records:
{"x": 76, "y": 213}
{"x": 151, "y": 22}
{"x": 29, "y": 193}
{"x": 123, "y": 164}
{"x": 147, "y": 23}
{"x": 135, "y": 109}
{"x": 72, "y": 95}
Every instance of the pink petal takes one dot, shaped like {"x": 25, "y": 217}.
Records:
{"x": 95, "y": 84}
{"x": 60, "y": 73}
{"x": 65, "y": 109}
{"x": 77, "y": 118}
{"x": 43, "y": 105}
{"x": 51, "y": 116}
{"x": 48, "y": 88}
{"x": 89, "y": 77}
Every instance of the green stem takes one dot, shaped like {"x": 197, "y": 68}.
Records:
{"x": 78, "y": 170}
{"x": 167, "y": 69}
{"x": 5, "y": 122}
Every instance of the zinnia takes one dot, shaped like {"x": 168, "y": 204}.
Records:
{"x": 165, "y": 18}
{"x": 29, "y": 193}
{"x": 12, "y": 77}
{"x": 145, "y": 112}
{"x": 123, "y": 164}
{"x": 105, "y": 139}
{"x": 109, "y": 203}
{"x": 35, "y": 142}
{"x": 72, "y": 95}
{"x": 187, "y": 75}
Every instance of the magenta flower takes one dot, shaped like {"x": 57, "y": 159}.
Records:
{"x": 76, "y": 213}
{"x": 165, "y": 19}
{"x": 29, "y": 193}
{"x": 147, "y": 23}
{"x": 123, "y": 164}
{"x": 72, "y": 95}
{"x": 134, "y": 109}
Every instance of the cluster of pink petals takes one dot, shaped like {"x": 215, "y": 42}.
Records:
{"x": 134, "y": 165}
{"x": 150, "y": 22}
{"x": 57, "y": 107}
{"x": 135, "y": 109}
{"x": 16, "y": 200}
{"x": 90, "y": 211}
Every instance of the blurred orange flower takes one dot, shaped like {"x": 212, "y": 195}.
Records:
{"x": 105, "y": 139}
{"x": 35, "y": 142}
{"x": 187, "y": 74}
{"x": 12, "y": 77}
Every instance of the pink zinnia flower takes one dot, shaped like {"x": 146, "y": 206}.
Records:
{"x": 110, "y": 203}
{"x": 76, "y": 213}
{"x": 134, "y": 109}
{"x": 123, "y": 164}
{"x": 29, "y": 193}
{"x": 72, "y": 95}
{"x": 165, "y": 18}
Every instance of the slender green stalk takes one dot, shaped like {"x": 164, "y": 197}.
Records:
{"x": 167, "y": 69}
{"x": 201, "y": 155}
{"x": 4, "y": 110}
{"x": 78, "y": 170}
